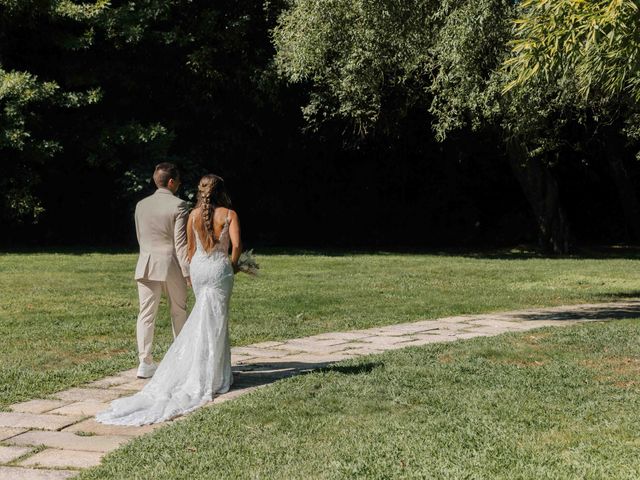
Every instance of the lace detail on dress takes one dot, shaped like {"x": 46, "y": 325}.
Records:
{"x": 198, "y": 363}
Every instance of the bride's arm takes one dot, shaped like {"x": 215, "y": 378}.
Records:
{"x": 236, "y": 242}
{"x": 191, "y": 242}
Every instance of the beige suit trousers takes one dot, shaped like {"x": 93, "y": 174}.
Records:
{"x": 149, "y": 293}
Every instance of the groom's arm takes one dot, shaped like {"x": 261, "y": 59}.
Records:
{"x": 180, "y": 238}
{"x": 137, "y": 222}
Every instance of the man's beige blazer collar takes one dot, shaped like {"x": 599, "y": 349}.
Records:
{"x": 164, "y": 190}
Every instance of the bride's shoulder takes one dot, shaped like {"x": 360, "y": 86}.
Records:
{"x": 231, "y": 214}
{"x": 223, "y": 212}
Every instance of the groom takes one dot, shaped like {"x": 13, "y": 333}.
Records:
{"x": 161, "y": 221}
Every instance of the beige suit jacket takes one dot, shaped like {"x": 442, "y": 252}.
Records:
{"x": 161, "y": 226}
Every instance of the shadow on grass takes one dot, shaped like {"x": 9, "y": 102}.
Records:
{"x": 620, "y": 295}
{"x": 630, "y": 309}
{"x": 352, "y": 369}
{"x": 261, "y": 374}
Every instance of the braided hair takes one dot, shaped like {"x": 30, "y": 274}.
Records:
{"x": 211, "y": 194}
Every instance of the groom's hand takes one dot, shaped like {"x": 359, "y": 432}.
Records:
{"x": 188, "y": 280}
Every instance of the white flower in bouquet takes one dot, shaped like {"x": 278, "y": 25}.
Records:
{"x": 248, "y": 264}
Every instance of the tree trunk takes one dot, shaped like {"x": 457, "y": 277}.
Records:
{"x": 624, "y": 186}
{"x": 541, "y": 190}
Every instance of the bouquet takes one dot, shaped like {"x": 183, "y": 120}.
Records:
{"x": 247, "y": 263}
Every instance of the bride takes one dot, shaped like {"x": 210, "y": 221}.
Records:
{"x": 198, "y": 363}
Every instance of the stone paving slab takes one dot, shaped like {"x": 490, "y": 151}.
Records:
{"x": 467, "y": 335}
{"x": 81, "y": 394}
{"x": 92, "y": 427}
{"x": 364, "y": 351}
{"x": 407, "y": 329}
{"x": 457, "y": 319}
{"x": 385, "y": 341}
{"x": 37, "y": 406}
{"x": 376, "y": 332}
{"x": 447, "y": 327}
{"x": 423, "y": 339}
{"x": 420, "y": 341}
{"x": 315, "y": 341}
{"x": 343, "y": 335}
{"x": 70, "y": 441}
{"x": 54, "y": 458}
{"x": 134, "y": 385}
{"x": 240, "y": 359}
{"x": 9, "y": 454}
{"x": 85, "y": 408}
{"x": 33, "y": 420}
{"x": 302, "y": 360}
{"x": 257, "y": 352}
{"x": 266, "y": 344}
{"x": 19, "y": 473}
{"x": 10, "y": 432}
{"x": 493, "y": 322}
{"x": 317, "y": 348}
{"x": 264, "y": 361}
{"x": 109, "y": 382}
{"x": 488, "y": 329}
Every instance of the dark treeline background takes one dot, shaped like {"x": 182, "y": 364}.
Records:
{"x": 94, "y": 95}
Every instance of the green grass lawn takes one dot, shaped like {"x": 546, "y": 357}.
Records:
{"x": 555, "y": 403}
{"x": 70, "y": 318}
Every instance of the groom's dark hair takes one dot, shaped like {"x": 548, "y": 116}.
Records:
{"x": 165, "y": 171}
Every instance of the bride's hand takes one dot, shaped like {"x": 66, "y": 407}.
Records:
{"x": 235, "y": 268}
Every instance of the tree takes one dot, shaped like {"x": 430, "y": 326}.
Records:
{"x": 29, "y": 99}
{"x": 592, "y": 49}
{"x": 370, "y": 61}
{"x": 597, "y": 41}
{"x": 95, "y": 94}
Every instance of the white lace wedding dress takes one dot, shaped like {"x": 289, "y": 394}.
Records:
{"x": 198, "y": 363}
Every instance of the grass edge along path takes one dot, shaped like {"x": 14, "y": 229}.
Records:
{"x": 74, "y": 440}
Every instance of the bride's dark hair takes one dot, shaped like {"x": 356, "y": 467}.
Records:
{"x": 211, "y": 194}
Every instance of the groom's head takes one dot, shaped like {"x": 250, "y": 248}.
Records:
{"x": 167, "y": 176}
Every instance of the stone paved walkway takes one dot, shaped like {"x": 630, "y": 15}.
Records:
{"x": 55, "y": 438}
